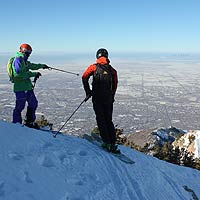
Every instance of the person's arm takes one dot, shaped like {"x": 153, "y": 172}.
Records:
{"x": 115, "y": 81}
{"x": 34, "y": 66}
{"x": 85, "y": 78}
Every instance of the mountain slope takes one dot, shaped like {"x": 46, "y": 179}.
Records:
{"x": 190, "y": 141}
{"x": 36, "y": 166}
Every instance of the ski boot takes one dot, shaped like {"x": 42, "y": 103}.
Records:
{"x": 32, "y": 125}
{"x": 106, "y": 146}
{"x": 114, "y": 149}
{"x": 111, "y": 148}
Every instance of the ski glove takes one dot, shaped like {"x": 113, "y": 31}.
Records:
{"x": 46, "y": 67}
{"x": 88, "y": 95}
{"x": 38, "y": 75}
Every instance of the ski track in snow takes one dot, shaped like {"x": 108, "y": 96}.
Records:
{"x": 173, "y": 185}
{"x": 118, "y": 182}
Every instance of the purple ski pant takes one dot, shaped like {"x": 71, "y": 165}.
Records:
{"x": 21, "y": 98}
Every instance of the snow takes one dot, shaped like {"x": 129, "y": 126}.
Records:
{"x": 36, "y": 166}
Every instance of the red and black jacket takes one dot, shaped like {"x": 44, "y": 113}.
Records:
{"x": 100, "y": 89}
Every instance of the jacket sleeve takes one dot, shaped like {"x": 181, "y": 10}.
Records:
{"x": 85, "y": 78}
{"x": 115, "y": 81}
{"x": 34, "y": 66}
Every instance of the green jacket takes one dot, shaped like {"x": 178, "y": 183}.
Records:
{"x": 22, "y": 81}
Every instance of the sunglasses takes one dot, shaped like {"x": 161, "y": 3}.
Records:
{"x": 27, "y": 54}
{"x": 26, "y": 51}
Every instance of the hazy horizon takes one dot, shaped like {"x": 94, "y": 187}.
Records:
{"x": 88, "y": 58}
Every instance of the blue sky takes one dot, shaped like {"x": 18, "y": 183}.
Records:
{"x": 86, "y": 25}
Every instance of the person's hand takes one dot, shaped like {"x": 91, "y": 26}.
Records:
{"x": 88, "y": 95}
{"x": 46, "y": 67}
{"x": 38, "y": 75}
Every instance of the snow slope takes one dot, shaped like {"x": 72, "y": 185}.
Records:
{"x": 36, "y": 166}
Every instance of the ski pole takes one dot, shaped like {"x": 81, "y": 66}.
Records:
{"x": 55, "y": 134}
{"x": 35, "y": 79}
{"x": 61, "y": 70}
{"x": 34, "y": 82}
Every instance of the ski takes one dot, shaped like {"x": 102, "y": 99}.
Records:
{"x": 53, "y": 132}
{"x": 96, "y": 140}
{"x": 45, "y": 129}
{"x": 50, "y": 131}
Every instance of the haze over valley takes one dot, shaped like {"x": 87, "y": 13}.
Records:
{"x": 153, "y": 91}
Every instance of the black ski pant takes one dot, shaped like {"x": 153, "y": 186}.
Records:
{"x": 103, "y": 112}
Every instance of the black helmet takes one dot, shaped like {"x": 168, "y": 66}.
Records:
{"x": 102, "y": 52}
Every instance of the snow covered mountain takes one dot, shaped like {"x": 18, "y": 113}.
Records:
{"x": 190, "y": 141}
{"x": 36, "y": 166}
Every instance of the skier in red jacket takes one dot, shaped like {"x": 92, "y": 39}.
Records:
{"x": 104, "y": 86}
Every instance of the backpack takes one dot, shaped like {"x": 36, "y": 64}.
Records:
{"x": 10, "y": 69}
{"x": 103, "y": 80}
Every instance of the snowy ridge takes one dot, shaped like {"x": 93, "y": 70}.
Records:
{"x": 36, "y": 166}
{"x": 167, "y": 134}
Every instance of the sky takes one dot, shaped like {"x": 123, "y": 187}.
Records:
{"x": 77, "y": 26}
{"x": 37, "y": 166}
